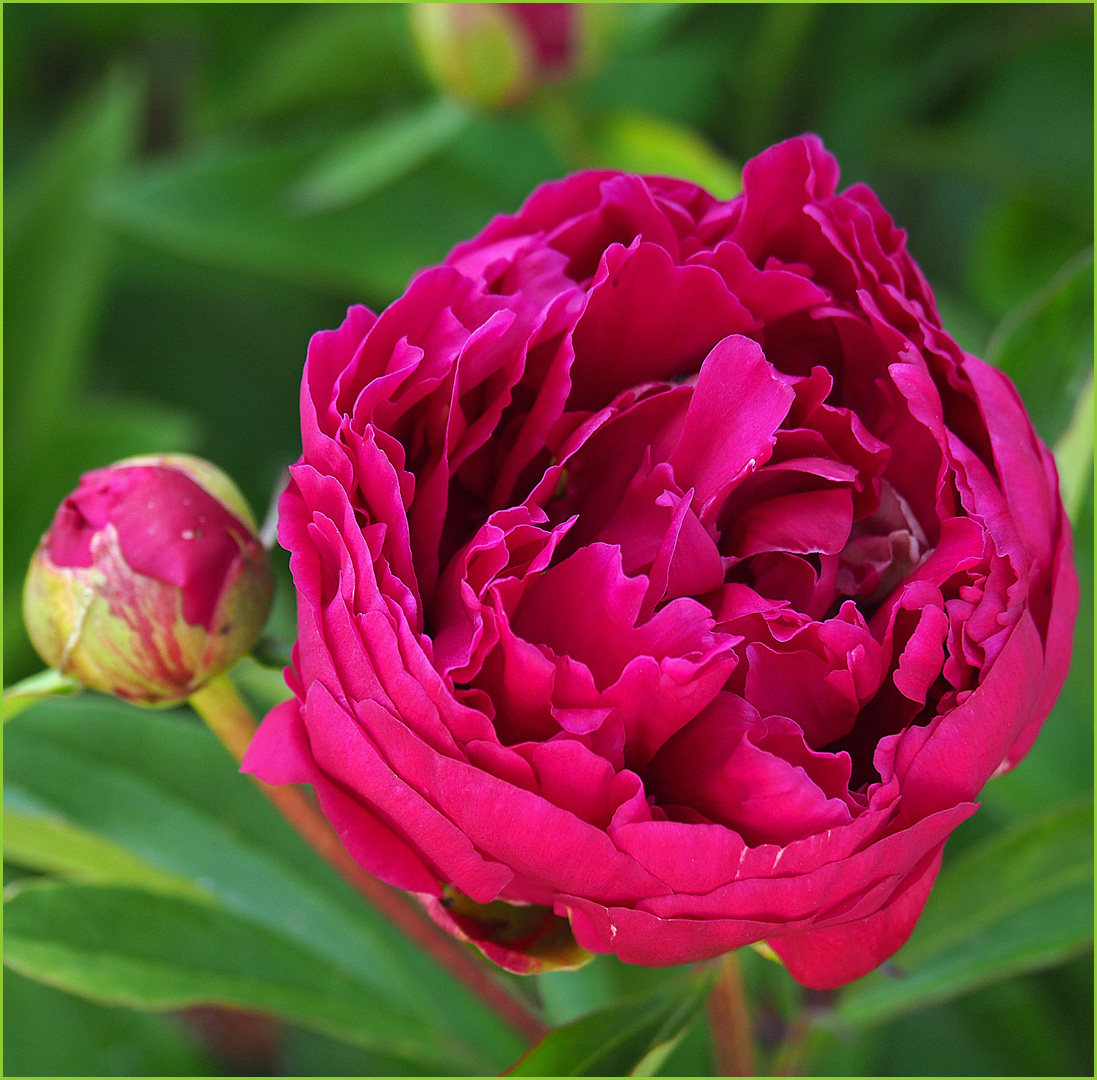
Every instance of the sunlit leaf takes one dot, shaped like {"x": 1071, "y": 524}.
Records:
{"x": 640, "y": 143}
{"x": 51, "y": 845}
{"x": 1074, "y": 452}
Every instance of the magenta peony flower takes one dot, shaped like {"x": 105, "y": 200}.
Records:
{"x": 664, "y": 567}
{"x": 150, "y": 581}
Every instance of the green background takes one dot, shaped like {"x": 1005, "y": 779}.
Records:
{"x": 192, "y": 190}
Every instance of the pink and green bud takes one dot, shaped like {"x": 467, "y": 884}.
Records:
{"x": 495, "y": 55}
{"x": 150, "y": 581}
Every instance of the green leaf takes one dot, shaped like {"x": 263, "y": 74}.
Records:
{"x": 631, "y": 1037}
{"x": 1046, "y": 345}
{"x": 776, "y": 51}
{"x": 262, "y": 686}
{"x": 1020, "y": 241}
{"x": 229, "y": 207}
{"x": 693, "y": 1054}
{"x": 52, "y": 845}
{"x": 108, "y": 428}
{"x": 1018, "y": 902}
{"x": 31, "y": 689}
{"x": 642, "y": 26}
{"x": 567, "y": 995}
{"x": 1032, "y": 1026}
{"x": 159, "y": 785}
{"x": 1074, "y": 452}
{"x": 303, "y": 1052}
{"x": 125, "y": 946}
{"x": 97, "y": 1041}
{"x": 365, "y": 161}
{"x": 353, "y": 53}
{"x": 60, "y": 255}
{"x": 642, "y": 143}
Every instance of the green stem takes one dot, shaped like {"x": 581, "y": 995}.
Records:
{"x": 231, "y": 721}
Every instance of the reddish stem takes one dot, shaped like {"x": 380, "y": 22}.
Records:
{"x": 231, "y": 721}
{"x": 731, "y": 1028}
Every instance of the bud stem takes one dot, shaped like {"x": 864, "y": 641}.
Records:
{"x": 225, "y": 714}
{"x": 731, "y": 1028}
{"x": 231, "y": 721}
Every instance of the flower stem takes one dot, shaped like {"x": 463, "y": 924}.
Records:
{"x": 231, "y": 721}
{"x": 731, "y": 1029}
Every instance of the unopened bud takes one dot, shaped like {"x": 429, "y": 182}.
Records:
{"x": 150, "y": 581}
{"x": 494, "y": 55}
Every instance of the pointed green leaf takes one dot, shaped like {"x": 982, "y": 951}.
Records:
{"x": 642, "y": 143}
{"x": 56, "y": 255}
{"x": 632, "y": 1037}
{"x": 147, "y": 950}
{"x": 52, "y": 845}
{"x": 654, "y": 1060}
{"x": 229, "y": 208}
{"x": 1018, "y": 902}
{"x": 1074, "y": 452}
{"x": 29, "y": 690}
{"x": 1046, "y": 345}
{"x": 365, "y": 161}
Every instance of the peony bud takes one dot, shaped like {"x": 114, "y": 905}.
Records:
{"x": 495, "y": 54}
{"x": 150, "y": 581}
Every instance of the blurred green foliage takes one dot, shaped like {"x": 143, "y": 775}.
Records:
{"x": 192, "y": 190}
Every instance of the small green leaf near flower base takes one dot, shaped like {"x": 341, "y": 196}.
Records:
{"x": 35, "y": 687}
{"x": 630, "y": 1038}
